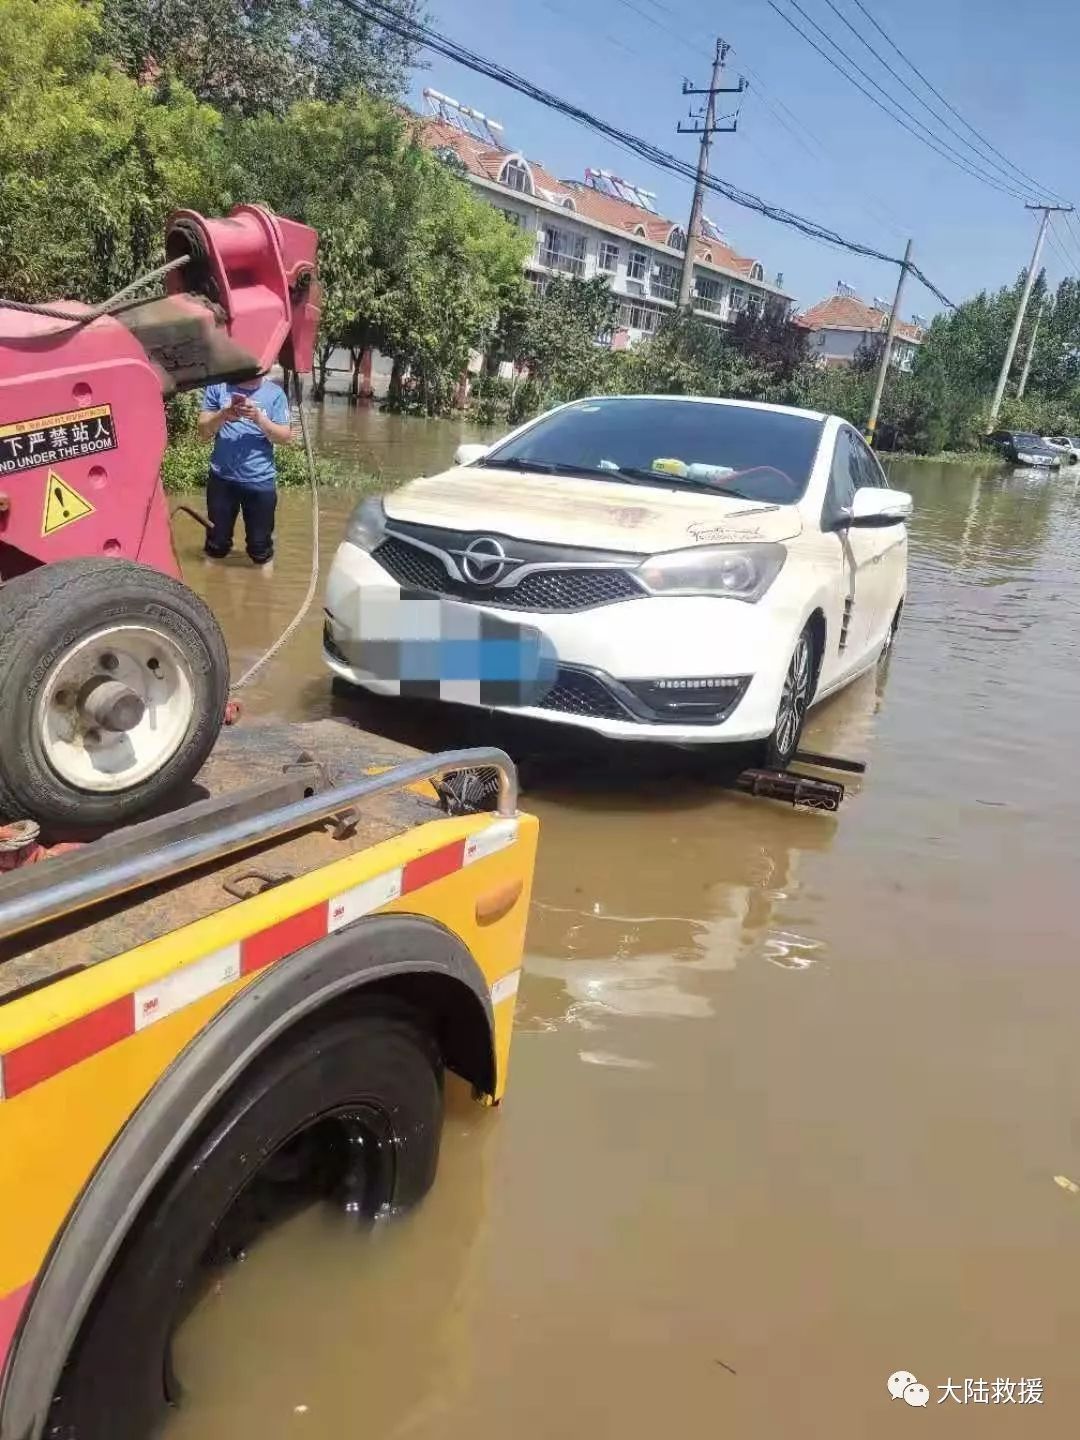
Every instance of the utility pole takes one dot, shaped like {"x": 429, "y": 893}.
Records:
{"x": 1031, "y": 351}
{"x": 886, "y": 351}
{"x": 1025, "y": 296}
{"x": 706, "y": 130}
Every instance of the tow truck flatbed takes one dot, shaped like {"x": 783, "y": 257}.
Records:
{"x": 253, "y": 758}
{"x": 255, "y": 994}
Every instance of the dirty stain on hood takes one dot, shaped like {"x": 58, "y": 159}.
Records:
{"x": 572, "y": 510}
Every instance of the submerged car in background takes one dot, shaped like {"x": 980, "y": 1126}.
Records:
{"x": 687, "y": 570}
{"x": 1067, "y": 446}
{"x": 1023, "y": 448}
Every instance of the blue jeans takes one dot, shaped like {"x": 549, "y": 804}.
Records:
{"x": 225, "y": 500}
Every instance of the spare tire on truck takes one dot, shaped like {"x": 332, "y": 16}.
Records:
{"x": 113, "y": 685}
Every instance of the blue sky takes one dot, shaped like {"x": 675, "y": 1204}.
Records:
{"x": 1010, "y": 70}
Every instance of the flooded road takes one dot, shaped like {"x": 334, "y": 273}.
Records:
{"x": 789, "y": 1092}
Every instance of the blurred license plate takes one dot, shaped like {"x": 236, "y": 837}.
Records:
{"x": 445, "y": 649}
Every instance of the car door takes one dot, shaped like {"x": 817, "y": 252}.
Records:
{"x": 860, "y": 553}
{"x": 885, "y": 565}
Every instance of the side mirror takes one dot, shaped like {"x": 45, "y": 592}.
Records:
{"x": 875, "y": 507}
{"x": 469, "y": 454}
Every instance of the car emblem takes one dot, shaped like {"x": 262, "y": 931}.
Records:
{"x": 484, "y": 561}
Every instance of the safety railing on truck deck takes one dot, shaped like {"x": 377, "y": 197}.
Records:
{"x": 76, "y": 881}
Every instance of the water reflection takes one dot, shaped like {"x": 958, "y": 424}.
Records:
{"x": 654, "y": 875}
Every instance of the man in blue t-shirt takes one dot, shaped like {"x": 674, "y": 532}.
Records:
{"x": 245, "y": 422}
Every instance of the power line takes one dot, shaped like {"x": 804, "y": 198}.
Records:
{"x": 1071, "y": 228}
{"x": 989, "y": 145}
{"x": 418, "y": 33}
{"x": 705, "y": 130}
{"x": 608, "y": 38}
{"x": 776, "y": 107}
{"x": 1065, "y": 254}
{"x": 1006, "y": 182}
{"x": 946, "y": 151}
{"x": 659, "y": 25}
{"x": 1009, "y": 179}
{"x": 770, "y": 159}
{"x": 800, "y": 133}
{"x": 871, "y": 205}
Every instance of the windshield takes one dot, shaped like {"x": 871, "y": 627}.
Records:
{"x": 757, "y": 455}
{"x": 1022, "y": 439}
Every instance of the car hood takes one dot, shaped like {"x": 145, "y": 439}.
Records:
{"x": 603, "y": 514}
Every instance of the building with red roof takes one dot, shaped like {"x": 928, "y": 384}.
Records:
{"x": 599, "y": 225}
{"x": 843, "y": 322}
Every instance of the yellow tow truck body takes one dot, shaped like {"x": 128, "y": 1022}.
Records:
{"x": 97, "y": 1032}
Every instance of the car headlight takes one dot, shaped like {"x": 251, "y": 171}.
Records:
{"x": 367, "y": 524}
{"x": 743, "y": 572}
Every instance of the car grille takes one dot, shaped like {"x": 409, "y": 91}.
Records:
{"x": 576, "y": 692}
{"x": 552, "y": 590}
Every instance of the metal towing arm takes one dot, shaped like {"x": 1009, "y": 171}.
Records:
{"x": 114, "y": 675}
{"x": 286, "y": 1047}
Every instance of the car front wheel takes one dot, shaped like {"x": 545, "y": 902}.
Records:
{"x": 798, "y": 687}
{"x": 890, "y": 637}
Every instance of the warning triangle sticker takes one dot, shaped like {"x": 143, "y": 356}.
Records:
{"x": 63, "y": 505}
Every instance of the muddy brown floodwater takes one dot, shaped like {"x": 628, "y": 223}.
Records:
{"x": 789, "y": 1092}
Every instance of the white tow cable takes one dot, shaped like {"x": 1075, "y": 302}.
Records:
{"x": 122, "y": 300}
{"x": 313, "y": 584}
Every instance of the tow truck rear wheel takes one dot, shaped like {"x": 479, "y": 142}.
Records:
{"x": 348, "y": 1109}
{"x": 113, "y": 683}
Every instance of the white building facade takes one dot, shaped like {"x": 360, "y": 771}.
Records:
{"x": 601, "y": 226}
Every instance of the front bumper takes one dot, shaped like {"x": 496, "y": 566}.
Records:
{"x": 614, "y": 660}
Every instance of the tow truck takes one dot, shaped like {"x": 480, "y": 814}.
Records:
{"x": 235, "y": 963}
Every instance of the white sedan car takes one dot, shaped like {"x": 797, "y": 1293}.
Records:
{"x": 1067, "y": 446}
{"x": 649, "y": 567}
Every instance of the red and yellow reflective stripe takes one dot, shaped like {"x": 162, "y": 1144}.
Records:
{"x": 27, "y": 1065}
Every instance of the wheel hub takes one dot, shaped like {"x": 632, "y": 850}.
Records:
{"x": 115, "y": 708}
{"x": 111, "y": 705}
{"x": 794, "y": 697}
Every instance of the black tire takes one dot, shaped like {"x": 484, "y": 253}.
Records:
{"x": 779, "y": 749}
{"x": 374, "y": 1075}
{"x": 42, "y": 616}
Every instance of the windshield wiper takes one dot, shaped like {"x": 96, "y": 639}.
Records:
{"x": 539, "y": 467}
{"x": 547, "y": 467}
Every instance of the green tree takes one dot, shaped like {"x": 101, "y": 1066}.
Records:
{"x": 1056, "y": 363}
{"x": 688, "y": 356}
{"x": 562, "y": 340}
{"x": 944, "y": 402}
{"x": 91, "y": 163}
{"x": 771, "y": 341}
{"x": 254, "y": 55}
{"x": 411, "y": 261}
